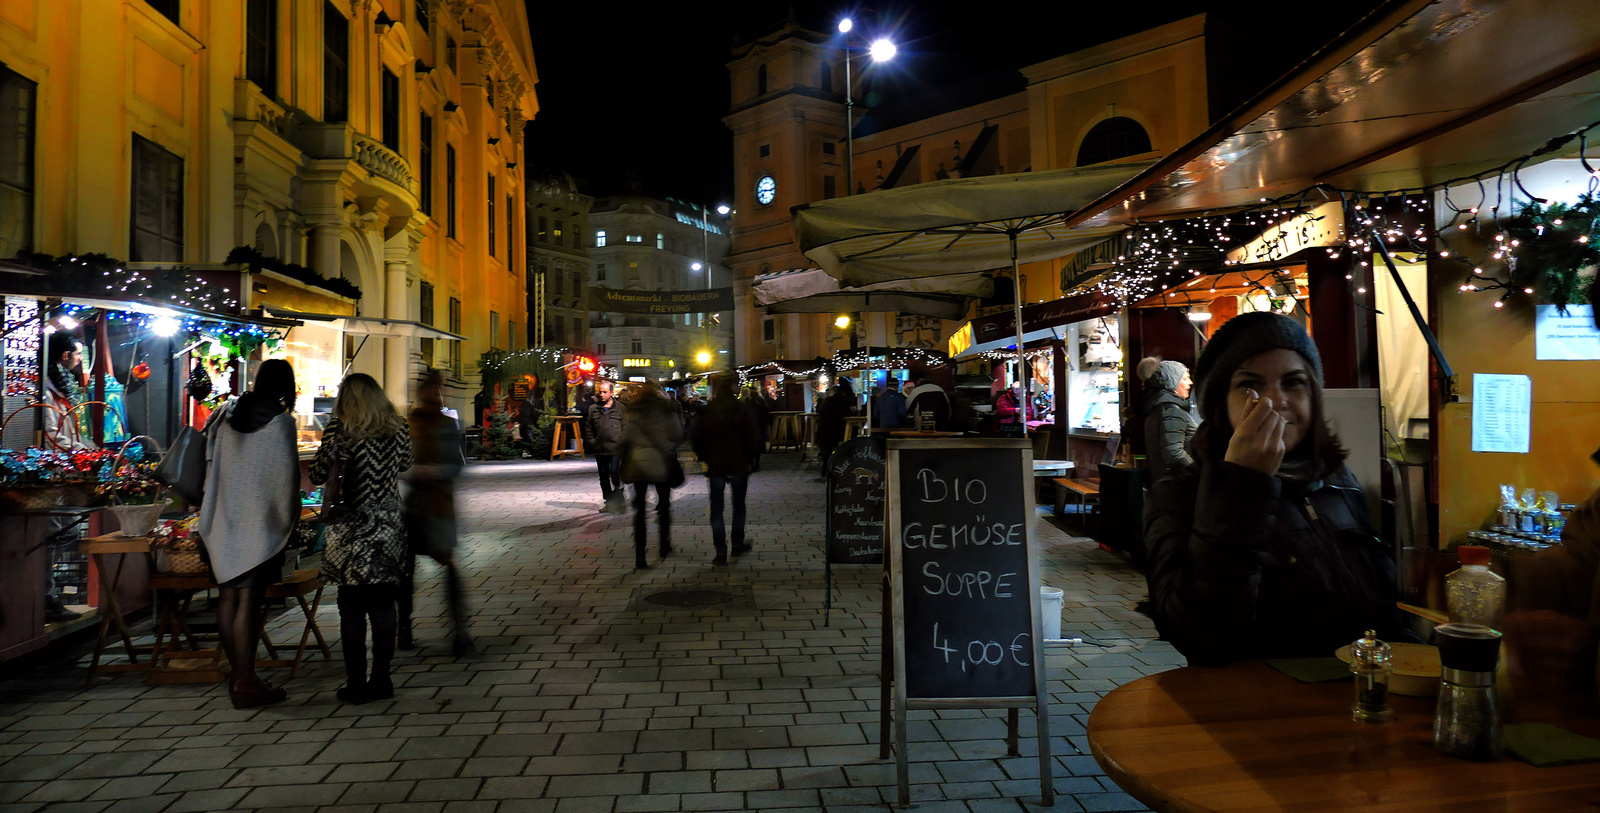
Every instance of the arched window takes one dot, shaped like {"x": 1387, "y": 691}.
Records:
{"x": 1111, "y": 139}
{"x": 761, "y": 81}
{"x": 825, "y": 76}
{"x": 266, "y": 241}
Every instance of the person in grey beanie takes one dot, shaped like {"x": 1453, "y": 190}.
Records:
{"x": 1168, "y": 421}
{"x": 1264, "y": 548}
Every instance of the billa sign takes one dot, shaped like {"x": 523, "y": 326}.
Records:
{"x": 617, "y": 300}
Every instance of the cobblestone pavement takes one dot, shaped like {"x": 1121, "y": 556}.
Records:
{"x": 587, "y": 697}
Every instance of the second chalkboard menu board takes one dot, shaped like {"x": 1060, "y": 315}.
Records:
{"x": 855, "y": 502}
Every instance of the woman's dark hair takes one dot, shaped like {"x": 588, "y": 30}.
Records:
{"x": 60, "y": 343}
{"x": 1320, "y": 446}
{"x": 275, "y": 383}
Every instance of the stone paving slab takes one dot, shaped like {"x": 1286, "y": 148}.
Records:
{"x": 588, "y": 696}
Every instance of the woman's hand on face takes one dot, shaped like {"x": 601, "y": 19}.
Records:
{"x": 1258, "y": 439}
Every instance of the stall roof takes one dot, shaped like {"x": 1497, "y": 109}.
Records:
{"x": 955, "y": 226}
{"x": 373, "y": 325}
{"x": 159, "y": 308}
{"x": 1416, "y": 94}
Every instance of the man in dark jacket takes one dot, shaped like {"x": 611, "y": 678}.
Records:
{"x": 528, "y": 414}
{"x": 602, "y": 436}
{"x": 726, "y": 439}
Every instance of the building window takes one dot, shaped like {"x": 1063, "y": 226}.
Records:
{"x": 261, "y": 45}
{"x": 557, "y": 233}
{"x": 544, "y": 230}
{"x": 1111, "y": 139}
{"x": 769, "y": 329}
{"x": 555, "y": 284}
{"x": 335, "y": 64}
{"x": 494, "y": 330}
{"x": 450, "y": 54}
{"x": 425, "y": 315}
{"x": 830, "y": 148}
{"x": 765, "y": 150}
{"x": 600, "y": 238}
{"x": 633, "y": 272}
{"x": 491, "y": 215}
{"x": 600, "y": 349}
{"x": 450, "y": 190}
{"x": 600, "y": 272}
{"x": 634, "y": 238}
{"x": 825, "y": 76}
{"x": 157, "y": 204}
{"x": 511, "y": 232}
{"x": 661, "y": 240}
{"x": 637, "y": 346}
{"x": 391, "y": 110}
{"x": 167, "y": 9}
{"x": 577, "y": 285}
{"x": 422, "y": 15}
{"x": 761, "y": 84}
{"x": 576, "y": 230}
{"x": 830, "y": 187}
{"x": 18, "y": 101}
{"x": 455, "y": 345}
{"x": 425, "y": 163}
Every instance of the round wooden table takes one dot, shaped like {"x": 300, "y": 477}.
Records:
{"x": 1247, "y": 737}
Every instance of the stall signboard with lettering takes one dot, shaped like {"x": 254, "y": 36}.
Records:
{"x": 618, "y": 300}
{"x": 855, "y": 512}
{"x": 1566, "y": 334}
{"x": 964, "y": 570}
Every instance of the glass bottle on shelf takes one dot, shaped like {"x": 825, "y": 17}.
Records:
{"x": 1474, "y": 594}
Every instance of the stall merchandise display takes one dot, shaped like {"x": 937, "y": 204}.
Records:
{"x": 177, "y": 547}
{"x": 1095, "y": 377}
{"x": 37, "y": 479}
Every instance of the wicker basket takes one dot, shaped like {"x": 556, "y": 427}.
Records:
{"x": 136, "y": 520}
{"x": 180, "y": 562}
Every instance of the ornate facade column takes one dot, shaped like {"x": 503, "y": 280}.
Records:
{"x": 397, "y": 255}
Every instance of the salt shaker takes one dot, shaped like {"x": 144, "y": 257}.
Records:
{"x": 1370, "y": 661}
{"x": 1466, "y": 721}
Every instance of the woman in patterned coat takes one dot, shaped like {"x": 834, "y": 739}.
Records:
{"x": 366, "y": 551}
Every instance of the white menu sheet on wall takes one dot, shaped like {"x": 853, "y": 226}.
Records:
{"x": 1570, "y": 336}
{"x": 1502, "y": 407}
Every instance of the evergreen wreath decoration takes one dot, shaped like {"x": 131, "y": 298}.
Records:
{"x": 1551, "y": 246}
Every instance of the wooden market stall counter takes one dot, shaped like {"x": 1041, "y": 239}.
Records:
{"x": 1248, "y": 737}
{"x": 24, "y": 569}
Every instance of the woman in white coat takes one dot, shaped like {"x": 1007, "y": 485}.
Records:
{"x": 251, "y": 505}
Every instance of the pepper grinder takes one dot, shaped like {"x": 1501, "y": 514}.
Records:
{"x": 1370, "y": 661}
{"x": 1466, "y": 721}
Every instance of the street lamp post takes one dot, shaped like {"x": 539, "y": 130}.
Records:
{"x": 880, "y": 50}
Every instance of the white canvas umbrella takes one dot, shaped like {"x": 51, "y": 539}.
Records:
{"x": 812, "y": 290}
{"x": 957, "y": 226}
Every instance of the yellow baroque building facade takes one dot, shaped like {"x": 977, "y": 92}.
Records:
{"x": 379, "y": 141}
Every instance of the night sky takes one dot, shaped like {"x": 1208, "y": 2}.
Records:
{"x": 635, "y": 93}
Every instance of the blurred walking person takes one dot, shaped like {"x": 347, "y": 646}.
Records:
{"x": 251, "y": 506}
{"x": 430, "y": 508}
{"x": 727, "y": 440}
{"x": 840, "y": 404}
{"x": 602, "y": 436}
{"x": 649, "y": 455}
{"x": 364, "y": 448}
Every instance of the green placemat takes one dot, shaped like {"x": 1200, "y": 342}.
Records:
{"x": 1544, "y": 745}
{"x": 1312, "y": 670}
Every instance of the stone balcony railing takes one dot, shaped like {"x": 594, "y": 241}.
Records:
{"x": 381, "y": 161}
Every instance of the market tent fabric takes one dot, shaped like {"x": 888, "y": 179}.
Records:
{"x": 955, "y": 226}
{"x": 373, "y": 326}
{"x": 813, "y": 290}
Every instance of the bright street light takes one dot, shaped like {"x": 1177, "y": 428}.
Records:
{"x": 703, "y": 358}
{"x": 695, "y": 266}
{"x": 842, "y": 322}
{"x": 845, "y": 25}
{"x": 882, "y": 50}
{"x": 723, "y": 210}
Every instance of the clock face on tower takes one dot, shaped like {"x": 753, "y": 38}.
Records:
{"x": 766, "y": 190}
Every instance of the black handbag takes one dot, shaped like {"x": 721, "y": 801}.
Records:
{"x": 183, "y": 467}
{"x": 334, "y": 510}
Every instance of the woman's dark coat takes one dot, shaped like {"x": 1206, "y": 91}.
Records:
{"x": 1168, "y": 426}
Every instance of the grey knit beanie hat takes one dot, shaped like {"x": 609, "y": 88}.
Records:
{"x": 1166, "y": 375}
{"x": 1242, "y": 338}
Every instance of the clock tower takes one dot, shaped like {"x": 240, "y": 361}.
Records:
{"x": 788, "y": 122}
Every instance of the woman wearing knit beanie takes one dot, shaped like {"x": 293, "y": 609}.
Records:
{"x": 1168, "y": 423}
{"x": 1264, "y": 548}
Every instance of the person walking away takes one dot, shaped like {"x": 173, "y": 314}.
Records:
{"x": 64, "y": 391}
{"x": 252, "y": 503}
{"x": 929, "y": 398}
{"x": 726, "y": 440}
{"x": 430, "y": 508}
{"x": 602, "y": 429}
{"x": 366, "y": 551}
{"x": 891, "y": 407}
{"x": 528, "y": 413}
{"x": 1168, "y": 421}
{"x": 649, "y": 454}
{"x": 763, "y": 415}
{"x": 1264, "y": 548}
{"x": 840, "y": 404}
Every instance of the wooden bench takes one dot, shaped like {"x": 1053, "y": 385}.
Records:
{"x": 1087, "y": 489}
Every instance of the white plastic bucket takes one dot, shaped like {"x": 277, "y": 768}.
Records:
{"x": 1050, "y": 611}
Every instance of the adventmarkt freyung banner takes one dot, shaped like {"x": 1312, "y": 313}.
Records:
{"x": 617, "y": 300}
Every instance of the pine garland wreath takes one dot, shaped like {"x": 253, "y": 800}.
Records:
{"x": 1554, "y": 247}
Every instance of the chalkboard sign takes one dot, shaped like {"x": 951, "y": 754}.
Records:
{"x": 855, "y": 512}
{"x": 964, "y": 568}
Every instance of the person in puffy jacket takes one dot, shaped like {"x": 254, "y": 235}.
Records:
{"x": 727, "y": 441}
{"x": 649, "y": 454}
{"x": 1263, "y": 547}
{"x": 1168, "y": 422}
{"x": 602, "y": 436}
